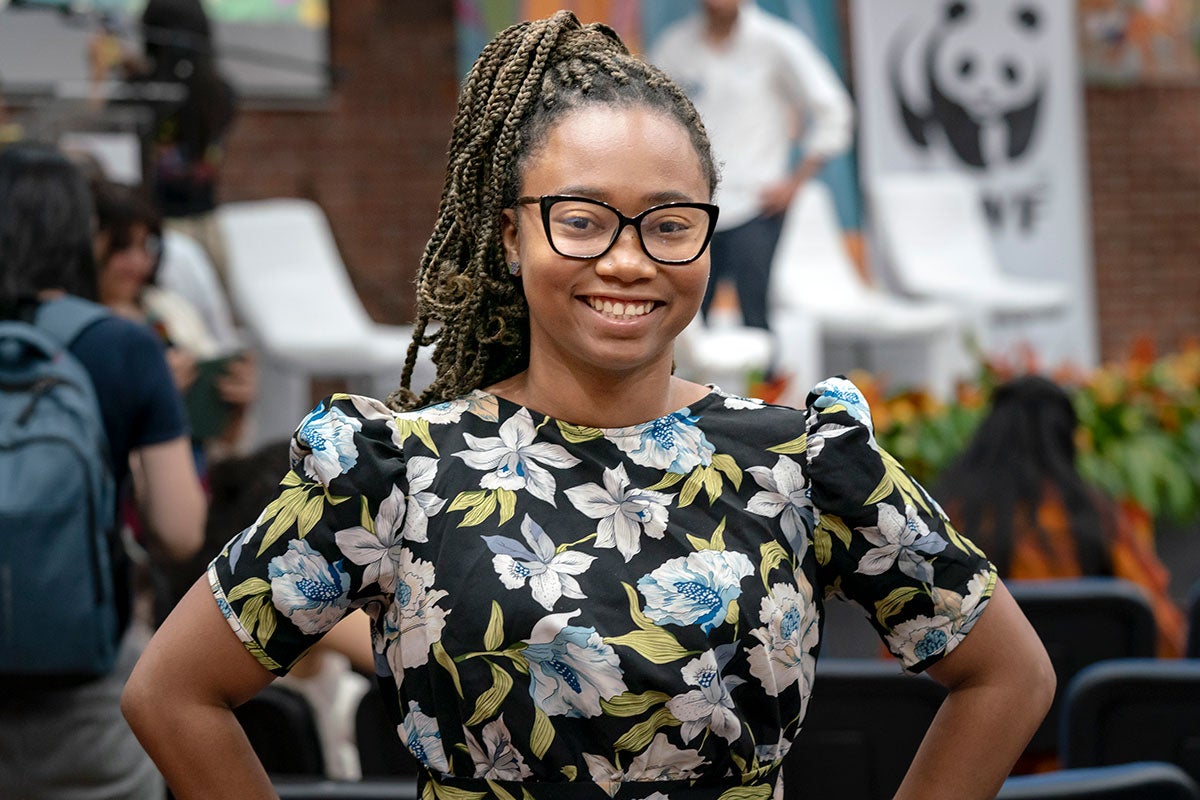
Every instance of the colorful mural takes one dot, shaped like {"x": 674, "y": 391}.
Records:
{"x": 1140, "y": 41}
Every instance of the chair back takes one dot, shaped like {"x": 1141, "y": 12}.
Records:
{"x": 864, "y": 724}
{"x": 380, "y": 752}
{"x": 1082, "y": 621}
{"x": 283, "y": 731}
{"x": 1147, "y": 780}
{"x": 286, "y": 277}
{"x": 933, "y": 231}
{"x": 811, "y": 262}
{"x": 1134, "y": 710}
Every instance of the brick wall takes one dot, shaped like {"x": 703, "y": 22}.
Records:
{"x": 374, "y": 157}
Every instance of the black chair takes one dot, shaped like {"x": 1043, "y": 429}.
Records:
{"x": 380, "y": 752}
{"x": 1133, "y": 710}
{"x": 1193, "y": 638}
{"x": 864, "y": 724}
{"x": 1146, "y": 780}
{"x": 1082, "y": 621}
{"x": 392, "y": 789}
{"x": 283, "y": 731}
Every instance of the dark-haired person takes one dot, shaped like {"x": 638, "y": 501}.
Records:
{"x": 1016, "y": 488}
{"x": 189, "y": 130}
{"x": 71, "y": 742}
{"x": 586, "y": 577}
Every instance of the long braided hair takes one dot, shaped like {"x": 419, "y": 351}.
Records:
{"x": 526, "y": 80}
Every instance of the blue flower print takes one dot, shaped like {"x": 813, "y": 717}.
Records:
{"x": 307, "y": 588}
{"x": 672, "y": 443}
{"x": 904, "y": 539}
{"x": 571, "y": 669}
{"x": 421, "y": 736}
{"x": 325, "y": 440}
{"x": 696, "y": 588}
{"x": 835, "y": 391}
{"x": 916, "y": 640}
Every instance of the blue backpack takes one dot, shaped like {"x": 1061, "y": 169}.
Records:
{"x": 58, "y": 611}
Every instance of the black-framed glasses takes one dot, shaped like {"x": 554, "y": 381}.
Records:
{"x": 579, "y": 227}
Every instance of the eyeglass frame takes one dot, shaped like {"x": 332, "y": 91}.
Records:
{"x": 546, "y": 201}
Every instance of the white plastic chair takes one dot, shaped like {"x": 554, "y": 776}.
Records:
{"x": 814, "y": 279}
{"x": 290, "y": 288}
{"x": 726, "y": 355}
{"x": 934, "y": 238}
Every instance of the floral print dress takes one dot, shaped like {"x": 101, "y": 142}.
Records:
{"x": 572, "y": 612}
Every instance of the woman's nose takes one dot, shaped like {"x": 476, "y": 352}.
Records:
{"x": 626, "y": 260}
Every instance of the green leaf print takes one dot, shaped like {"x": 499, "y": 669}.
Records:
{"x": 494, "y": 635}
{"x": 542, "y": 735}
{"x": 715, "y": 542}
{"x": 415, "y": 427}
{"x": 578, "y": 434}
{"x": 729, "y": 468}
{"x": 639, "y": 736}
{"x": 896, "y": 479}
{"x": 481, "y": 503}
{"x": 791, "y": 448}
{"x": 759, "y": 792}
{"x": 489, "y": 702}
{"x": 771, "y": 555}
{"x": 894, "y": 602}
{"x": 443, "y": 658}
{"x": 628, "y": 704}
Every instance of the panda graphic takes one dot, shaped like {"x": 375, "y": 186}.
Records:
{"x": 974, "y": 75}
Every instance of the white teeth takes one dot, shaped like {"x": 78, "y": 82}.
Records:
{"x": 619, "y": 310}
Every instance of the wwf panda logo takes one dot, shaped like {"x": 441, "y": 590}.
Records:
{"x": 975, "y": 76}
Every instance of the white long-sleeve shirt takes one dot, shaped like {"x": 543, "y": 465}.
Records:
{"x": 765, "y": 89}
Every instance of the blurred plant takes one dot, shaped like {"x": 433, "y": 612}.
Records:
{"x": 1139, "y": 432}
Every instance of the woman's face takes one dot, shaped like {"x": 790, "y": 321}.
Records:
{"x": 620, "y": 312}
{"x": 126, "y": 272}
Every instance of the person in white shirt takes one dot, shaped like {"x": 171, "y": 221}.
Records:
{"x": 762, "y": 89}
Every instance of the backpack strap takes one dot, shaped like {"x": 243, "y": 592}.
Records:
{"x": 67, "y": 317}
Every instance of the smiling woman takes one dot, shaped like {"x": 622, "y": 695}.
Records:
{"x": 587, "y": 576}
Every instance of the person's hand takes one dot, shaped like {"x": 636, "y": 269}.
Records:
{"x": 776, "y": 198}
{"x": 104, "y": 53}
{"x": 238, "y": 385}
{"x": 183, "y": 368}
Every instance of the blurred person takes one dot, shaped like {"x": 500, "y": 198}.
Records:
{"x": 565, "y": 549}
{"x": 128, "y": 246}
{"x": 1017, "y": 489}
{"x": 65, "y": 739}
{"x": 186, "y": 147}
{"x": 763, "y": 90}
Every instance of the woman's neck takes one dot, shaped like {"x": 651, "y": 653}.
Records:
{"x": 599, "y": 400}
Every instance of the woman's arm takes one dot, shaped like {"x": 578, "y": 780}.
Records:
{"x": 1001, "y": 684}
{"x": 170, "y": 497}
{"x": 180, "y": 699}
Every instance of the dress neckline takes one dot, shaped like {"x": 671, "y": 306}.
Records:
{"x": 714, "y": 393}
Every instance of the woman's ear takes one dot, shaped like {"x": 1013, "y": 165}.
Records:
{"x": 508, "y": 235}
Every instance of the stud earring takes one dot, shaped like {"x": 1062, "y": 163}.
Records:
{"x": 514, "y": 268}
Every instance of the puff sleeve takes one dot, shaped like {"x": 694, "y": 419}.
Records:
{"x": 882, "y": 541}
{"x": 328, "y": 543}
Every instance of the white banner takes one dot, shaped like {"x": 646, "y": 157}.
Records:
{"x": 992, "y": 89}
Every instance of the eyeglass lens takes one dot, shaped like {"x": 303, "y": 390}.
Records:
{"x": 580, "y": 228}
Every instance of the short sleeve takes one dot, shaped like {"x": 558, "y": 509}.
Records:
{"x": 882, "y": 541}
{"x": 328, "y": 543}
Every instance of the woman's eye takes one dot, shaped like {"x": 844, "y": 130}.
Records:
{"x": 669, "y": 227}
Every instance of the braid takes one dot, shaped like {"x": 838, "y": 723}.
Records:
{"x": 525, "y": 80}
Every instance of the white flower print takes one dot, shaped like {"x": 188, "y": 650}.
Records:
{"x": 962, "y": 609}
{"x": 496, "y": 758}
{"x": 709, "y": 706}
{"x": 371, "y": 408}
{"x": 917, "y": 639}
{"x": 448, "y": 412}
{"x": 624, "y": 512}
{"x": 604, "y": 773}
{"x": 673, "y": 443}
{"x": 422, "y": 505}
{"x": 325, "y": 442}
{"x": 785, "y": 654}
{"x": 663, "y": 761}
{"x": 513, "y": 460}
{"x": 770, "y": 753}
{"x": 414, "y": 621}
{"x": 312, "y": 592}
{"x": 378, "y": 552}
{"x": 786, "y": 494}
{"x": 549, "y": 573}
{"x": 696, "y": 588}
{"x": 906, "y": 539}
{"x": 421, "y": 736}
{"x": 743, "y": 403}
{"x": 571, "y": 669}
